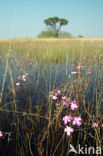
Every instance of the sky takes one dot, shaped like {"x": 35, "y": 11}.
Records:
{"x": 24, "y": 18}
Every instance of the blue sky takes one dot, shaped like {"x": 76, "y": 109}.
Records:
{"x": 24, "y": 18}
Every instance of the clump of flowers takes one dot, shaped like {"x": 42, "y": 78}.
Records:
{"x": 77, "y": 69}
{"x": 71, "y": 119}
{"x": 22, "y": 78}
{"x": 75, "y": 121}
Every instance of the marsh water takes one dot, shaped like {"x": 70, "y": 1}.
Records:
{"x": 41, "y": 79}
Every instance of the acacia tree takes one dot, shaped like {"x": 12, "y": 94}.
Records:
{"x": 56, "y": 23}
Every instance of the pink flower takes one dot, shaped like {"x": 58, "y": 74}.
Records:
{"x": 1, "y": 134}
{"x": 11, "y": 50}
{"x": 95, "y": 50}
{"x": 79, "y": 67}
{"x": 26, "y": 74}
{"x": 77, "y": 121}
{"x": 64, "y": 97}
{"x": 67, "y": 103}
{"x": 73, "y": 65}
{"x": 18, "y": 83}
{"x": 85, "y": 57}
{"x": 58, "y": 91}
{"x": 24, "y": 79}
{"x": 23, "y": 76}
{"x": 56, "y": 94}
{"x": 89, "y": 72}
{"x": 68, "y": 130}
{"x": 94, "y": 125}
{"x": 31, "y": 49}
{"x": 19, "y": 77}
{"x": 74, "y": 73}
{"x": 73, "y": 105}
{"x": 67, "y": 119}
{"x": 100, "y": 55}
{"x": 54, "y": 98}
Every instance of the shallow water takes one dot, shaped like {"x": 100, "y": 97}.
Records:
{"x": 42, "y": 78}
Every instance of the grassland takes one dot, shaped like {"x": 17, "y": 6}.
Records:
{"x": 31, "y": 72}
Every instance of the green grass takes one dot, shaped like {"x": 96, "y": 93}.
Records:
{"x": 35, "y": 126}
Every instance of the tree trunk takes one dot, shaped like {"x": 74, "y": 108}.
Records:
{"x": 57, "y": 35}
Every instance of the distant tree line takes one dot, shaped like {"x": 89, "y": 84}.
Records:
{"x": 51, "y": 34}
{"x": 54, "y": 24}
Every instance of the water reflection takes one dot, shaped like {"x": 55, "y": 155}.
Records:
{"x": 42, "y": 78}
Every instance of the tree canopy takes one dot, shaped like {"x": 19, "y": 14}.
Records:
{"x": 56, "y": 23}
